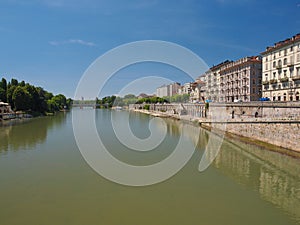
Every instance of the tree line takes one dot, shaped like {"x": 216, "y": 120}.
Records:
{"x": 26, "y": 97}
{"x": 110, "y": 101}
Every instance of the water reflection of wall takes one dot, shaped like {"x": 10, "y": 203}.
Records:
{"x": 276, "y": 177}
{"x": 22, "y": 135}
{"x": 281, "y": 190}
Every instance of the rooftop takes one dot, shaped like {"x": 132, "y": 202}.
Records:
{"x": 283, "y": 43}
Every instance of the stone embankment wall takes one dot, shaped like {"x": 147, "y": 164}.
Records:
{"x": 276, "y": 123}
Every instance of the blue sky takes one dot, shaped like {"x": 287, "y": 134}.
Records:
{"x": 50, "y": 43}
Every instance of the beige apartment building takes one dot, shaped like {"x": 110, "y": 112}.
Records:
{"x": 241, "y": 80}
{"x": 232, "y": 81}
{"x": 212, "y": 77}
{"x": 281, "y": 70}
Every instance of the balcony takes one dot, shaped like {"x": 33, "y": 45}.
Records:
{"x": 284, "y": 79}
{"x": 278, "y": 67}
{"x": 265, "y": 82}
{"x": 273, "y": 81}
{"x": 296, "y": 77}
{"x": 290, "y": 63}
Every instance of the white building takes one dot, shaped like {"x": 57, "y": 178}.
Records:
{"x": 167, "y": 90}
{"x": 281, "y": 70}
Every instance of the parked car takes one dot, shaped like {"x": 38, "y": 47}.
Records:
{"x": 264, "y": 99}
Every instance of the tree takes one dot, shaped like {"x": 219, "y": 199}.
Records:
{"x": 60, "y": 100}
{"x": 21, "y": 99}
{"x": 2, "y": 94}
{"x": 14, "y": 82}
{"x": 3, "y": 85}
{"x": 52, "y": 106}
{"x": 9, "y": 95}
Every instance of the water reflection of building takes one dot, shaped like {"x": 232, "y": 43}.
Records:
{"x": 265, "y": 171}
{"x": 281, "y": 190}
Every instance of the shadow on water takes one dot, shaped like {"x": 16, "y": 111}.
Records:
{"x": 26, "y": 134}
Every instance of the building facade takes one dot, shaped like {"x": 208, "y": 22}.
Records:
{"x": 212, "y": 77}
{"x": 167, "y": 90}
{"x": 198, "y": 92}
{"x": 5, "y": 110}
{"x": 281, "y": 70}
{"x": 241, "y": 80}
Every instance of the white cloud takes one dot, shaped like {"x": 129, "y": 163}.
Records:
{"x": 73, "y": 41}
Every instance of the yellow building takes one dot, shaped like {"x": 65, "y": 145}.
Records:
{"x": 281, "y": 70}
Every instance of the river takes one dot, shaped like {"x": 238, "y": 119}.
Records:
{"x": 45, "y": 180}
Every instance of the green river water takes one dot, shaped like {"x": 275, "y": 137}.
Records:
{"x": 45, "y": 180}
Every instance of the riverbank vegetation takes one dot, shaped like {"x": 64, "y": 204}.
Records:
{"x": 110, "y": 101}
{"x": 30, "y": 99}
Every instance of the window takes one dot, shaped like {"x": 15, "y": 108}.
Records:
{"x": 274, "y": 75}
{"x": 253, "y": 90}
{"x": 291, "y": 59}
{"x": 285, "y": 61}
{"x": 279, "y": 63}
{"x": 279, "y": 53}
{"x": 274, "y": 64}
{"x": 291, "y": 49}
{"x": 291, "y": 71}
{"x": 285, "y": 52}
{"x": 298, "y": 57}
{"x": 266, "y": 77}
{"x": 284, "y": 73}
{"x": 253, "y": 81}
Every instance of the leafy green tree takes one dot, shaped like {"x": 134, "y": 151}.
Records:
{"x": 22, "y": 83}
{"x": 3, "y": 89}
{"x": 69, "y": 103}
{"x": 52, "y": 105}
{"x": 14, "y": 82}
{"x": 9, "y": 94}
{"x": 21, "y": 99}
{"x": 2, "y": 94}
{"x": 60, "y": 100}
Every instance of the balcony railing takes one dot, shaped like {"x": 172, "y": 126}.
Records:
{"x": 265, "y": 82}
{"x": 273, "y": 81}
{"x": 296, "y": 77}
{"x": 284, "y": 79}
{"x": 290, "y": 63}
{"x": 278, "y": 66}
